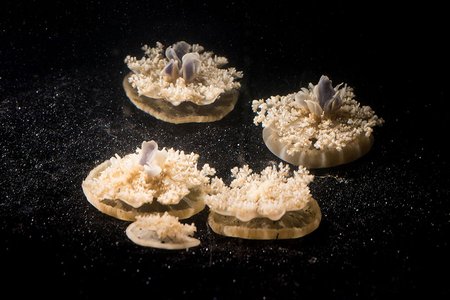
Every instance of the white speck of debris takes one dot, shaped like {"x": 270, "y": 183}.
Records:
{"x": 312, "y": 260}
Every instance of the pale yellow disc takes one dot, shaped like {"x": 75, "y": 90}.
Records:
{"x": 186, "y": 112}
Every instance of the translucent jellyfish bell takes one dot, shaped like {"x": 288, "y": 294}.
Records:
{"x": 317, "y": 127}
{"x": 163, "y": 232}
{"x": 143, "y": 183}
{"x": 264, "y": 206}
{"x": 207, "y": 93}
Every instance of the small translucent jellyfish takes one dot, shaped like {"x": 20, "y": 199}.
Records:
{"x": 182, "y": 84}
{"x": 265, "y": 206}
{"x": 162, "y": 231}
{"x": 147, "y": 182}
{"x": 318, "y": 127}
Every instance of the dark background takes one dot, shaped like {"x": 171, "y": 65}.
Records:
{"x": 385, "y": 228}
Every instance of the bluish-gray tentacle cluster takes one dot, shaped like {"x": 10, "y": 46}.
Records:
{"x": 182, "y": 63}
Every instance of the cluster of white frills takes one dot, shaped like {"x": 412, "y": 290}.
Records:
{"x": 152, "y": 78}
{"x": 269, "y": 194}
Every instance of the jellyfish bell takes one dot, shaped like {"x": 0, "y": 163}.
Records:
{"x": 318, "y": 127}
{"x": 150, "y": 181}
{"x": 264, "y": 206}
{"x": 182, "y": 84}
{"x": 162, "y": 231}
